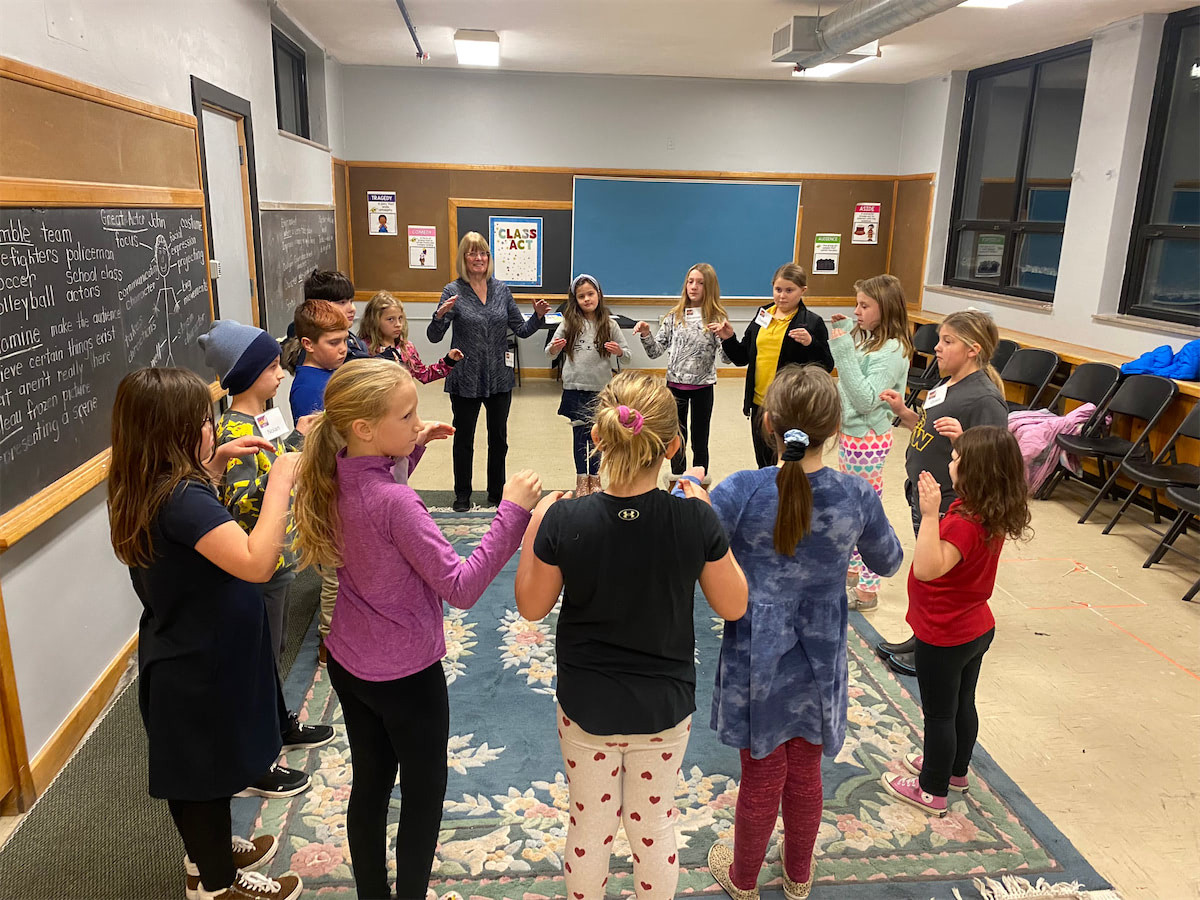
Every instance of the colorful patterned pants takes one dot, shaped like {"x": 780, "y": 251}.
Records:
{"x": 624, "y": 779}
{"x": 864, "y": 456}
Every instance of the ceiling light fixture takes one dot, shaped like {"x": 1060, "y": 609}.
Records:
{"x": 477, "y": 48}
{"x": 987, "y": 4}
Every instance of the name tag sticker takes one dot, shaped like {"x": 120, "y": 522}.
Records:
{"x": 763, "y": 319}
{"x": 510, "y": 359}
{"x": 271, "y": 424}
{"x": 936, "y": 396}
{"x": 691, "y": 314}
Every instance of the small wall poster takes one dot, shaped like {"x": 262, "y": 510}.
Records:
{"x": 989, "y": 253}
{"x": 517, "y": 249}
{"x": 422, "y": 246}
{"x": 381, "y": 213}
{"x": 866, "y": 224}
{"x": 825, "y": 255}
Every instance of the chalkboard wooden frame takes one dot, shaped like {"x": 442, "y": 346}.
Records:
{"x": 453, "y": 204}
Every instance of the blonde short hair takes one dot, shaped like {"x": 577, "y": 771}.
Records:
{"x": 473, "y": 240}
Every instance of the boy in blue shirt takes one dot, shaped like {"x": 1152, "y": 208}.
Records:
{"x": 322, "y": 329}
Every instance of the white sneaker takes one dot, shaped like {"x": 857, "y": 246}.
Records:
{"x": 256, "y": 886}
{"x": 247, "y": 855}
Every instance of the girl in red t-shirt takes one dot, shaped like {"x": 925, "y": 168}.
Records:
{"x": 952, "y": 577}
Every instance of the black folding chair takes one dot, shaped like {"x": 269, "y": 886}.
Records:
{"x": 1163, "y": 471}
{"x": 1088, "y": 383}
{"x": 1188, "y": 501}
{"x": 1143, "y": 397}
{"x": 925, "y": 340}
{"x": 1033, "y": 368}
{"x": 1002, "y": 354}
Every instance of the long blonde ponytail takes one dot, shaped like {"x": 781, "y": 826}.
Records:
{"x": 360, "y": 389}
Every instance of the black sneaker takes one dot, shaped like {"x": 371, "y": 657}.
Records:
{"x": 304, "y": 737}
{"x": 279, "y": 781}
{"x": 462, "y": 504}
{"x": 493, "y": 501}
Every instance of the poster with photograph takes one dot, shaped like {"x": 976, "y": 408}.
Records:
{"x": 866, "y": 224}
{"x": 422, "y": 246}
{"x": 989, "y": 254}
{"x": 825, "y": 255}
{"x": 517, "y": 249}
{"x": 381, "y": 213}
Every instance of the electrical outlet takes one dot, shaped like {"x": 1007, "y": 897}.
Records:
{"x": 670, "y": 143}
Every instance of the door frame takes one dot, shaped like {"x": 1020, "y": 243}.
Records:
{"x": 209, "y": 96}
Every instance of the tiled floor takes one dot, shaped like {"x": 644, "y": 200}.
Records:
{"x": 1090, "y": 696}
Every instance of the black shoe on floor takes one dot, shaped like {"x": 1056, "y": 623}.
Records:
{"x": 279, "y": 781}
{"x": 903, "y": 663}
{"x": 884, "y": 649}
{"x": 304, "y": 737}
{"x": 494, "y": 501}
{"x": 462, "y": 504}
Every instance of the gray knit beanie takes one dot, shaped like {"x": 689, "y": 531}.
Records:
{"x": 238, "y": 353}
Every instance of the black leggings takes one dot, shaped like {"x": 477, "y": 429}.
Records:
{"x": 764, "y": 453}
{"x": 394, "y": 726}
{"x": 701, "y": 401}
{"x": 466, "y": 414}
{"x": 207, "y": 832}
{"x": 587, "y": 459}
{"x": 947, "y": 676}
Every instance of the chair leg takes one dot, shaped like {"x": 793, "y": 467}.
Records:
{"x": 1173, "y": 532}
{"x": 1112, "y": 479}
{"x": 1050, "y": 484}
{"x": 1154, "y": 505}
{"x": 1192, "y": 593}
{"x": 1124, "y": 506}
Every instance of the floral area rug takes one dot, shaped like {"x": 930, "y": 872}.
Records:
{"x": 504, "y": 825}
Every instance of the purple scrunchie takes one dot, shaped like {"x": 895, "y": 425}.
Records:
{"x": 630, "y": 418}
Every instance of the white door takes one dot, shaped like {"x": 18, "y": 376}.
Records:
{"x": 229, "y": 212}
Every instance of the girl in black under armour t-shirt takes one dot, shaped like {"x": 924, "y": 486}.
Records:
{"x": 629, "y": 559}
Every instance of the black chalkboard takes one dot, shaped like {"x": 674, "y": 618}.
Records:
{"x": 87, "y": 295}
{"x": 556, "y": 251}
{"x": 294, "y": 242}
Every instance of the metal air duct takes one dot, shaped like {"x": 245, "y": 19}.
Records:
{"x": 815, "y": 40}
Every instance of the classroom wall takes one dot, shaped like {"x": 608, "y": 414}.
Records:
{"x": 70, "y": 605}
{"x": 1106, "y": 170}
{"x": 585, "y": 121}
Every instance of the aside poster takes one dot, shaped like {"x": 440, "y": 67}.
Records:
{"x": 825, "y": 254}
{"x": 517, "y": 249}
{"x": 989, "y": 254}
{"x": 866, "y": 224}
{"x": 381, "y": 213}
{"x": 422, "y": 246}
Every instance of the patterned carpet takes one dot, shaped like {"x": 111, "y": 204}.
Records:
{"x": 506, "y": 807}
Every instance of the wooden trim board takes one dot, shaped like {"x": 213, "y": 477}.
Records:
{"x": 51, "y": 758}
{"x": 23, "y": 792}
{"x": 435, "y": 296}
{"x": 44, "y": 192}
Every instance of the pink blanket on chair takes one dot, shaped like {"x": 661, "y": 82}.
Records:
{"x": 1035, "y": 430}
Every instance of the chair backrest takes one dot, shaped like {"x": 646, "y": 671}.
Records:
{"x": 1090, "y": 383}
{"x": 1143, "y": 397}
{"x": 925, "y": 338}
{"x": 1003, "y": 353}
{"x": 1188, "y": 428}
{"x": 1032, "y": 366}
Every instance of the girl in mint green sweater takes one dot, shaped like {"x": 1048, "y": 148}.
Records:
{"x": 872, "y": 358}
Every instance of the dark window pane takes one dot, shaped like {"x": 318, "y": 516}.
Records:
{"x": 1177, "y": 194}
{"x": 979, "y": 257}
{"x": 1171, "y": 282}
{"x": 1035, "y": 266}
{"x": 1053, "y": 136}
{"x": 995, "y": 146}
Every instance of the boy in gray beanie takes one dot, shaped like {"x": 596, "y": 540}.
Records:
{"x": 246, "y": 359}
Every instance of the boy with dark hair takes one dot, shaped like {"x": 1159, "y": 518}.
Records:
{"x": 336, "y": 288}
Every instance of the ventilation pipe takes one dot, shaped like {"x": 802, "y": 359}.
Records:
{"x": 862, "y": 21}
{"x": 421, "y": 54}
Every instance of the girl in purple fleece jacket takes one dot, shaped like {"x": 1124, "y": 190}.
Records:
{"x": 386, "y": 643}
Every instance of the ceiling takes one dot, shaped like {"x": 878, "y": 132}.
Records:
{"x": 692, "y": 38}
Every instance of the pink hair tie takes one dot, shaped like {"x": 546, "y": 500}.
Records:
{"x": 630, "y": 418}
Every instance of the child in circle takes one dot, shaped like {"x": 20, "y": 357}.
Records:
{"x": 384, "y": 329}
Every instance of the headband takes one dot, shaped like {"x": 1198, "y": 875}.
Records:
{"x": 583, "y": 276}
{"x": 630, "y": 418}
{"x": 796, "y": 442}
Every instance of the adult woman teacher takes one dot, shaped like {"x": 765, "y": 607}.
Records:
{"x": 782, "y": 333}
{"x": 482, "y": 311}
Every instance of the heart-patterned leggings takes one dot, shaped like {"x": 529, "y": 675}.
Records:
{"x": 619, "y": 779}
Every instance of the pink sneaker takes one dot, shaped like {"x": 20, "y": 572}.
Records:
{"x": 914, "y": 761}
{"x": 908, "y": 789}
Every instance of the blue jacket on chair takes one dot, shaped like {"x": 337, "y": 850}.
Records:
{"x": 1184, "y": 365}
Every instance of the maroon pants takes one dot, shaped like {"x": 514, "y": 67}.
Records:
{"x": 791, "y": 773}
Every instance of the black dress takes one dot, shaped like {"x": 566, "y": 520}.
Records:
{"x": 208, "y": 690}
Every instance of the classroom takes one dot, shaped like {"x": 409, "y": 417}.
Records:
{"x": 1027, "y": 170}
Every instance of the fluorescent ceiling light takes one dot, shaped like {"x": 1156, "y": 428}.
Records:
{"x": 829, "y": 69}
{"x": 477, "y": 48}
{"x": 988, "y": 4}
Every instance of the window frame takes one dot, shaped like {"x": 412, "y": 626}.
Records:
{"x": 1143, "y": 231}
{"x": 1014, "y": 228}
{"x": 281, "y": 43}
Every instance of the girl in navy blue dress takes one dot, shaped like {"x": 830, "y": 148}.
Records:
{"x": 207, "y": 686}
{"x": 781, "y": 689}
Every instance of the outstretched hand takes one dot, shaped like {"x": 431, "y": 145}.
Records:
{"x": 929, "y": 496}
{"x": 434, "y": 431}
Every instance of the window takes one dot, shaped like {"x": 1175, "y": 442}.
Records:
{"x": 1162, "y": 276}
{"x": 1016, "y": 155}
{"x": 291, "y": 85}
